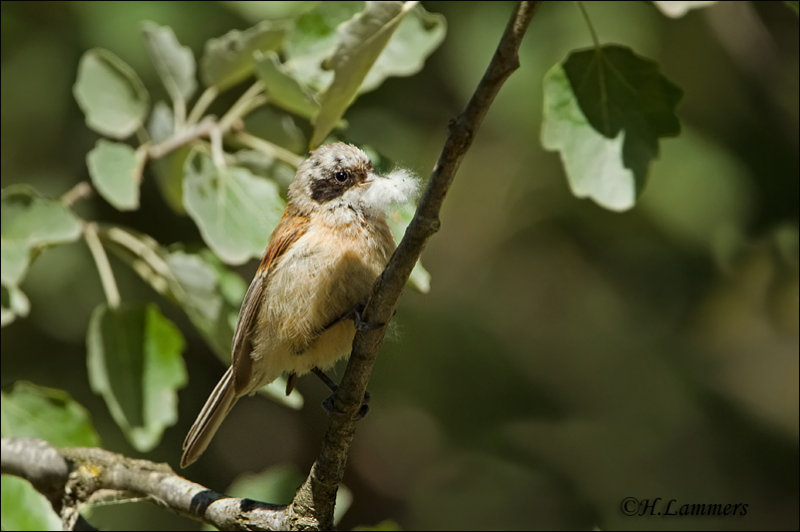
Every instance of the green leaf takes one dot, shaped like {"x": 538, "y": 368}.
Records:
{"x": 134, "y": 362}
{"x": 24, "y": 508}
{"x": 234, "y": 210}
{"x": 794, "y": 5}
{"x": 110, "y": 94}
{"x": 29, "y": 221}
{"x": 360, "y": 41}
{"x": 313, "y": 39}
{"x": 676, "y": 8}
{"x": 256, "y": 11}
{"x": 399, "y": 217}
{"x": 207, "y": 291}
{"x": 14, "y": 304}
{"x": 174, "y": 63}
{"x": 605, "y": 110}
{"x": 227, "y": 60}
{"x": 31, "y": 411}
{"x": 283, "y": 90}
{"x": 167, "y": 170}
{"x": 210, "y": 295}
{"x": 278, "y": 485}
{"x": 116, "y": 172}
{"x": 417, "y": 36}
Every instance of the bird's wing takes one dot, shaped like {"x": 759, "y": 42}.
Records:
{"x": 286, "y": 233}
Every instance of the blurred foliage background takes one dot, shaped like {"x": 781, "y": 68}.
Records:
{"x": 566, "y": 356}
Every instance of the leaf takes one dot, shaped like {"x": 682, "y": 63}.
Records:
{"x": 314, "y": 39}
{"x": 605, "y": 110}
{"x": 167, "y": 170}
{"x": 110, "y": 94}
{"x": 227, "y": 60}
{"x": 174, "y": 63}
{"x": 255, "y": 11}
{"x": 29, "y": 221}
{"x": 134, "y": 362}
{"x": 677, "y": 8}
{"x": 234, "y": 210}
{"x": 278, "y": 485}
{"x": 14, "y": 304}
{"x": 417, "y": 36}
{"x": 794, "y": 5}
{"x": 116, "y": 172}
{"x": 399, "y": 217}
{"x": 361, "y": 40}
{"x": 31, "y": 411}
{"x": 24, "y": 508}
{"x": 283, "y": 90}
{"x": 207, "y": 291}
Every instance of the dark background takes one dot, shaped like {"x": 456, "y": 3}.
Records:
{"x": 566, "y": 356}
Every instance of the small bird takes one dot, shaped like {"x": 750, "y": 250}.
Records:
{"x": 318, "y": 269}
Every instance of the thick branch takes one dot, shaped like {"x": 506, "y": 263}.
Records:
{"x": 70, "y": 477}
{"x": 313, "y": 505}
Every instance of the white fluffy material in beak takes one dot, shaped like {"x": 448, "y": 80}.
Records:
{"x": 399, "y": 186}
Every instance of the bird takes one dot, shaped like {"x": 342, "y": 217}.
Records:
{"x": 301, "y": 310}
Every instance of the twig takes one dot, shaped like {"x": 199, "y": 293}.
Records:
{"x": 103, "y": 266}
{"x": 81, "y": 190}
{"x": 87, "y": 471}
{"x": 312, "y": 507}
{"x": 273, "y": 150}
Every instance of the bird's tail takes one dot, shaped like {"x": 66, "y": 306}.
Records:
{"x": 209, "y": 419}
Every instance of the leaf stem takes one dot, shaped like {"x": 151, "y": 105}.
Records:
{"x": 248, "y": 101}
{"x": 273, "y": 150}
{"x": 202, "y": 104}
{"x": 103, "y": 266}
{"x": 81, "y": 190}
{"x": 585, "y": 14}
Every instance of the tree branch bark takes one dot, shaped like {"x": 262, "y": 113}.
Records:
{"x": 312, "y": 507}
{"x": 69, "y": 477}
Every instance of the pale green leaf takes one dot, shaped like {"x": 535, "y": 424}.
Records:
{"x": 110, "y": 94}
{"x": 417, "y": 36}
{"x": 116, "y": 172}
{"x": 207, "y": 291}
{"x": 30, "y": 221}
{"x": 283, "y": 90}
{"x": 314, "y": 39}
{"x": 605, "y": 110}
{"x": 399, "y": 217}
{"x": 278, "y": 485}
{"x": 678, "y": 8}
{"x": 134, "y": 362}
{"x": 15, "y": 304}
{"x": 227, "y": 60}
{"x": 31, "y": 411}
{"x": 174, "y": 63}
{"x": 24, "y": 508}
{"x": 360, "y": 41}
{"x": 256, "y": 11}
{"x": 234, "y": 210}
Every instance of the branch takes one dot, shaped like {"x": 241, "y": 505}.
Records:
{"x": 312, "y": 507}
{"x": 71, "y": 477}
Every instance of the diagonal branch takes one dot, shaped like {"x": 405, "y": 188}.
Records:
{"x": 312, "y": 507}
{"x": 70, "y": 477}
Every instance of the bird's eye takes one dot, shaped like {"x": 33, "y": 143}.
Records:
{"x": 341, "y": 176}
